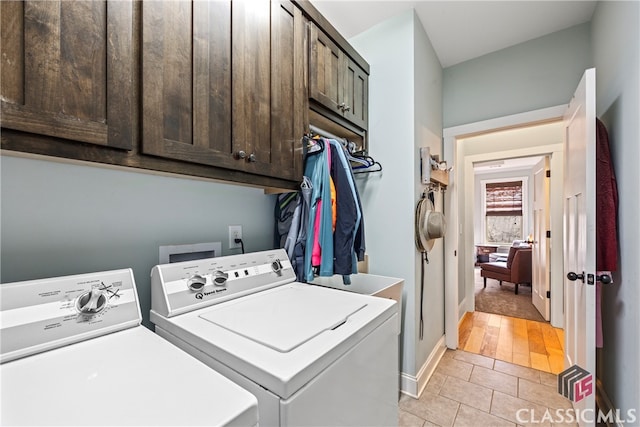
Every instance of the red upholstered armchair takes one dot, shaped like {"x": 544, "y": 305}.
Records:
{"x": 516, "y": 270}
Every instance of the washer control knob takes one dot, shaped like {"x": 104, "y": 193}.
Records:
{"x": 91, "y": 302}
{"x": 196, "y": 282}
{"x": 220, "y": 278}
{"x": 276, "y": 266}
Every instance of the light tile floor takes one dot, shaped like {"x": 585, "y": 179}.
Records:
{"x": 469, "y": 389}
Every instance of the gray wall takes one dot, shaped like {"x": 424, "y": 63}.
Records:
{"x": 539, "y": 73}
{"x": 405, "y": 90}
{"x": 428, "y": 133}
{"x": 60, "y": 219}
{"x": 616, "y": 52}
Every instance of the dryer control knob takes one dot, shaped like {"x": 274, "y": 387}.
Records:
{"x": 276, "y": 266}
{"x": 91, "y": 302}
{"x": 196, "y": 282}
{"x": 220, "y": 278}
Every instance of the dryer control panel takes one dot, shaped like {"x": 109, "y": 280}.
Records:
{"x": 185, "y": 286}
{"x": 40, "y": 315}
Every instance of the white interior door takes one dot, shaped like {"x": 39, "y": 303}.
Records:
{"x": 540, "y": 280}
{"x": 579, "y": 237}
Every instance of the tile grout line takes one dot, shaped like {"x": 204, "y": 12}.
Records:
{"x": 480, "y": 363}
{"x": 457, "y": 413}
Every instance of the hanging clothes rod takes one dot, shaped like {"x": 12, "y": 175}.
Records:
{"x": 324, "y": 133}
{"x": 365, "y": 164}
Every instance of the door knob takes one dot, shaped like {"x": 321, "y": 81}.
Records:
{"x": 241, "y": 154}
{"x": 573, "y": 276}
{"x": 252, "y": 158}
{"x": 346, "y": 108}
{"x": 605, "y": 279}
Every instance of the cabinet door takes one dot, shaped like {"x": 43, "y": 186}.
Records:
{"x": 326, "y": 71}
{"x": 336, "y": 81}
{"x": 186, "y": 81}
{"x": 289, "y": 99}
{"x": 251, "y": 83}
{"x": 356, "y": 94}
{"x": 269, "y": 92}
{"x": 67, "y": 70}
{"x": 223, "y": 84}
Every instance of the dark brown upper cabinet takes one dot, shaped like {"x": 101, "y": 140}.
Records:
{"x": 223, "y": 84}
{"x": 68, "y": 70}
{"x": 336, "y": 81}
{"x": 356, "y": 94}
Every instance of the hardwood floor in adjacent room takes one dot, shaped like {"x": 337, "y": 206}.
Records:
{"x": 523, "y": 342}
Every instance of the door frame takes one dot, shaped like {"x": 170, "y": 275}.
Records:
{"x": 454, "y": 244}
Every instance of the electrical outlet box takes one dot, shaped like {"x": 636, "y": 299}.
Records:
{"x": 235, "y": 232}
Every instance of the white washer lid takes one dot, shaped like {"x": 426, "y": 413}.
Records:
{"x": 285, "y": 318}
{"x": 130, "y": 378}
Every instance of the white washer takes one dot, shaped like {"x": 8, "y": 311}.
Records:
{"x": 311, "y": 355}
{"x": 73, "y": 353}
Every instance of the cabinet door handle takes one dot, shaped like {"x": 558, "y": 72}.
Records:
{"x": 241, "y": 154}
{"x": 341, "y": 106}
{"x": 346, "y": 108}
{"x": 252, "y": 158}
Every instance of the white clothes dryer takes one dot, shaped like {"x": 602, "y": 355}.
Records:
{"x": 311, "y": 355}
{"x": 73, "y": 352}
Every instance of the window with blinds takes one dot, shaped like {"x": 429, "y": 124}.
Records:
{"x": 504, "y": 198}
{"x": 503, "y": 210}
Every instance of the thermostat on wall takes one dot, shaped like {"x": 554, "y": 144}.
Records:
{"x": 179, "y": 253}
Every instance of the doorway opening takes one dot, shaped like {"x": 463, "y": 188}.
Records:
{"x": 510, "y": 219}
{"x": 503, "y": 225}
{"x": 534, "y": 134}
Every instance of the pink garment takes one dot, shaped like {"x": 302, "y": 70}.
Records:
{"x": 606, "y": 219}
{"x": 599, "y": 338}
{"x": 316, "y": 252}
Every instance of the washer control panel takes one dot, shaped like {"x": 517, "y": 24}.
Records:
{"x": 180, "y": 287}
{"x": 39, "y": 315}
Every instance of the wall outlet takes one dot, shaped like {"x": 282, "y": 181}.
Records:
{"x": 235, "y": 232}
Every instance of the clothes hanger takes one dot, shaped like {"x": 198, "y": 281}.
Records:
{"x": 313, "y": 145}
{"x": 361, "y": 157}
{"x": 364, "y": 163}
{"x": 375, "y": 167}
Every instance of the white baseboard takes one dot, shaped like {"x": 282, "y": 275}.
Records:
{"x": 461, "y": 311}
{"x": 413, "y": 386}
